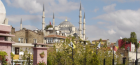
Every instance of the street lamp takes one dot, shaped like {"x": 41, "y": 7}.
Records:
{"x": 104, "y": 59}
{"x": 113, "y": 56}
{"x": 136, "y": 62}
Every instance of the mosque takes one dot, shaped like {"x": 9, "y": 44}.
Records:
{"x": 67, "y": 27}
{"x": 64, "y": 29}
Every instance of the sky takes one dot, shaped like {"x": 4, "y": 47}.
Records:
{"x": 106, "y": 19}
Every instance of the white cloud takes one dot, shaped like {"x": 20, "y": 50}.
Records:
{"x": 95, "y": 10}
{"x": 29, "y": 27}
{"x": 17, "y": 18}
{"x": 93, "y": 32}
{"x": 122, "y": 21}
{"x": 109, "y": 8}
{"x": 101, "y": 22}
{"x": 35, "y": 6}
{"x": 111, "y": 31}
{"x": 122, "y": 1}
{"x": 63, "y": 18}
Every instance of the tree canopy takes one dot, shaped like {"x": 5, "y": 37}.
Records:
{"x": 82, "y": 53}
{"x": 48, "y": 26}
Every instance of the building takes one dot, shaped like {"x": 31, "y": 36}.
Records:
{"x": 55, "y": 37}
{"x": 5, "y": 36}
{"x": 19, "y": 48}
{"x": 27, "y": 36}
{"x": 67, "y": 27}
{"x": 102, "y": 42}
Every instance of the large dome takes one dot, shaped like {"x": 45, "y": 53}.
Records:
{"x": 65, "y": 25}
{"x": 2, "y": 12}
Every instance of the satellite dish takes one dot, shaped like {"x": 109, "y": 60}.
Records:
{"x": 2, "y": 12}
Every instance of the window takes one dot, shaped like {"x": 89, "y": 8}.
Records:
{"x": 26, "y": 41}
{"x": 46, "y": 40}
{"x": 35, "y": 41}
{"x": 17, "y": 50}
{"x": 21, "y": 40}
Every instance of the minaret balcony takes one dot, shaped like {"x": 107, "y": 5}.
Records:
{"x": 80, "y": 29}
{"x": 43, "y": 16}
{"x": 80, "y": 16}
{"x": 80, "y": 22}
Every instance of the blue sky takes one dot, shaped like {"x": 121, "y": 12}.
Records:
{"x": 106, "y": 19}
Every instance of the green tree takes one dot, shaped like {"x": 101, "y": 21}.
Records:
{"x": 133, "y": 35}
{"x": 133, "y": 39}
{"x": 48, "y": 26}
{"x": 26, "y": 55}
{"x": 63, "y": 55}
{"x": 81, "y": 53}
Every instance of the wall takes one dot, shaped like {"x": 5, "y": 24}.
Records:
{"x": 27, "y": 34}
{"x": 36, "y": 56}
{"x": 33, "y": 35}
{"x": 120, "y": 44}
{"x": 7, "y": 48}
{"x": 18, "y": 34}
{"x": 132, "y": 55}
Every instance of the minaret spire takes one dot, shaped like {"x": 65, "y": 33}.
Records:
{"x": 43, "y": 18}
{"x": 84, "y": 28}
{"x": 43, "y": 8}
{"x": 80, "y": 6}
{"x": 80, "y": 22}
{"x": 21, "y": 24}
{"x": 53, "y": 20}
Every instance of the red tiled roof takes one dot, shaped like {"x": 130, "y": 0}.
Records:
{"x": 57, "y": 36}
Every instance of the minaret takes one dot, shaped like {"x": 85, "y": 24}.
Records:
{"x": 43, "y": 19}
{"x": 21, "y": 24}
{"x": 53, "y": 20}
{"x": 80, "y": 22}
{"x": 84, "y": 28}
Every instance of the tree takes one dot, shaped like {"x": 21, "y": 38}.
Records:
{"x": 48, "y": 26}
{"x": 133, "y": 35}
{"x": 100, "y": 40}
{"x": 63, "y": 55}
{"x": 133, "y": 38}
{"x": 94, "y": 60}
{"x": 81, "y": 53}
{"x": 26, "y": 55}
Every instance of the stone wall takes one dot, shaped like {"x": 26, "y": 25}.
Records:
{"x": 27, "y": 35}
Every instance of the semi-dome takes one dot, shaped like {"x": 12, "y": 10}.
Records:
{"x": 2, "y": 12}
